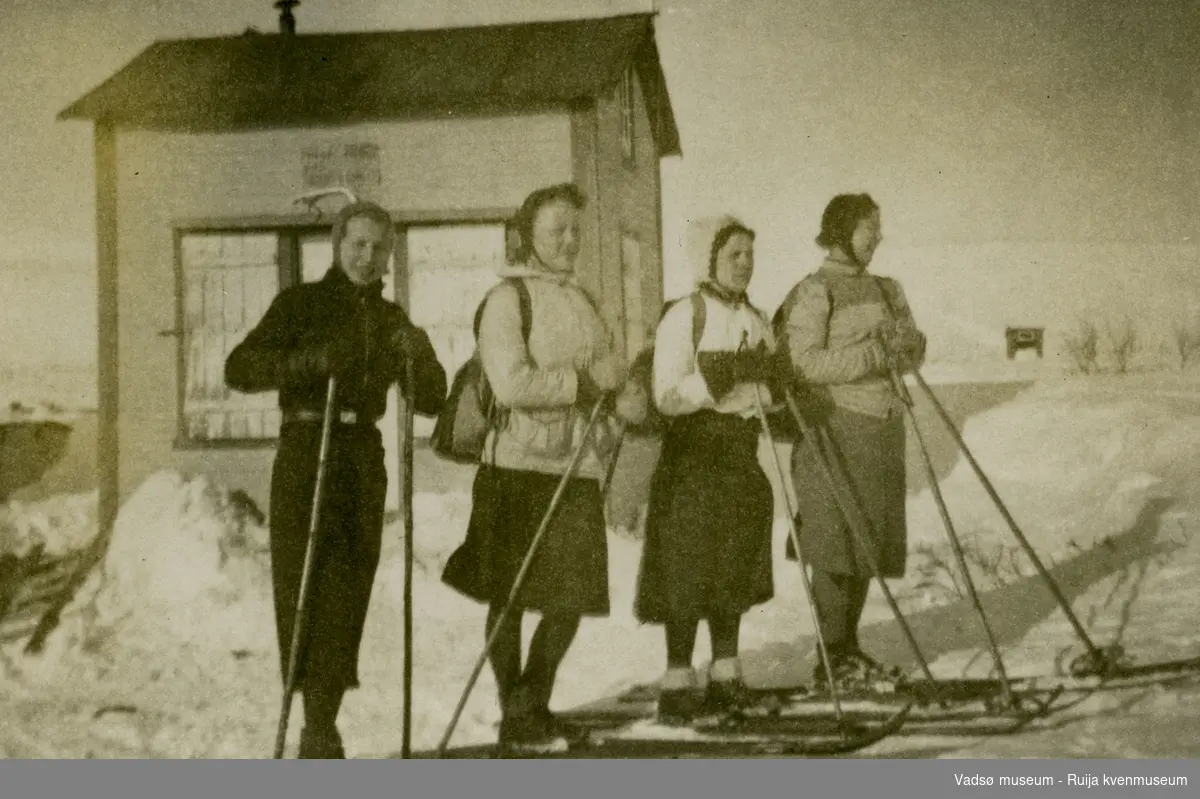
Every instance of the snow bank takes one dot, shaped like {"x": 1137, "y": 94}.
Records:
{"x": 1073, "y": 463}
{"x": 170, "y": 650}
{"x": 60, "y": 524}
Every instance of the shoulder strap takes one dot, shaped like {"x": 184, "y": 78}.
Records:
{"x": 523, "y": 298}
{"x": 882, "y": 284}
{"x": 699, "y": 319}
{"x": 526, "y": 307}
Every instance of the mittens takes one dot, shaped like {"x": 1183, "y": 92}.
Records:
{"x": 719, "y": 371}
{"x": 318, "y": 361}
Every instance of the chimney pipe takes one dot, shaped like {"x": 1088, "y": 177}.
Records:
{"x": 287, "y": 22}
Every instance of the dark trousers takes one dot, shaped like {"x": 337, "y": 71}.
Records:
{"x": 351, "y": 527}
{"x": 840, "y": 599}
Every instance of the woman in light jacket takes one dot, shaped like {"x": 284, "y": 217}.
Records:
{"x": 843, "y": 327}
{"x": 547, "y": 390}
{"x": 708, "y": 529}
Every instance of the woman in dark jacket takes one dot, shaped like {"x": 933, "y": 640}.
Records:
{"x": 340, "y": 326}
{"x": 843, "y": 327}
{"x": 707, "y": 554}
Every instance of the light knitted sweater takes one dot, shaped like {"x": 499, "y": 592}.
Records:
{"x": 831, "y": 316}
{"x": 539, "y": 384}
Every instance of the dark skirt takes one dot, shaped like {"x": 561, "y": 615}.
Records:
{"x": 569, "y": 573}
{"x": 870, "y": 452}
{"x": 708, "y": 528}
{"x": 351, "y": 531}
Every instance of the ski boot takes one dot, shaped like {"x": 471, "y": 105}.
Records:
{"x": 855, "y": 673}
{"x": 872, "y": 671}
{"x": 321, "y": 745}
{"x": 728, "y": 696}
{"x": 527, "y": 728}
{"x": 679, "y": 700}
{"x": 574, "y": 733}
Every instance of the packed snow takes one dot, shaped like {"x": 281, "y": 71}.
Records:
{"x": 169, "y": 650}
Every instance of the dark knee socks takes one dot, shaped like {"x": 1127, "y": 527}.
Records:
{"x": 724, "y": 631}
{"x": 551, "y": 641}
{"x": 681, "y": 643}
{"x": 840, "y": 599}
{"x": 505, "y": 655}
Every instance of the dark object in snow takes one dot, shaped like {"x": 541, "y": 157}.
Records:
{"x": 1024, "y": 338}
{"x": 29, "y": 447}
{"x": 107, "y": 709}
{"x": 246, "y": 507}
{"x": 30, "y": 586}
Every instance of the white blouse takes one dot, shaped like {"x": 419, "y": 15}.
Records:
{"x": 679, "y": 388}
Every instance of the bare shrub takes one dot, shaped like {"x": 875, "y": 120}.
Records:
{"x": 1083, "y": 345}
{"x": 1185, "y": 336}
{"x": 1122, "y": 342}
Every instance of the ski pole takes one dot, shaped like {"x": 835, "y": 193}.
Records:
{"x": 310, "y": 552}
{"x": 858, "y": 527}
{"x": 955, "y": 544}
{"x": 406, "y": 487}
{"x": 794, "y": 534}
{"x": 555, "y": 500}
{"x": 1099, "y": 657}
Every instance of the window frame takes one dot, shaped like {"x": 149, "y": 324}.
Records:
{"x": 290, "y": 230}
{"x": 628, "y": 117}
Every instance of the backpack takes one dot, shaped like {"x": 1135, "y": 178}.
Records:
{"x": 641, "y": 371}
{"x": 471, "y": 411}
{"x": 813, "y": 401}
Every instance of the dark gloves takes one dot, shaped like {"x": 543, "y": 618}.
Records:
{"x": 903, "y": 345}
{"x": 587, "y": 392}
{"x": 605, "y": 375}
{"x": 724, "y": 370}
{"x": 754, "y": 366}
{"x": 405, "y": 345}
{"x": 318, "y": 361}
{"x": 717, "y": 369}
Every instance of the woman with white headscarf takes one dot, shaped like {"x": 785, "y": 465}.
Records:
{"x": 708, "y": 530}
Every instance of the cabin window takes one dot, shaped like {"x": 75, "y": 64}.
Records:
{"x": 626, "y": 106}
{"x": 229, "y": 280}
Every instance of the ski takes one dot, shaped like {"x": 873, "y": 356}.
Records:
{"x": 961, "y": 715}
{"x": 990, "y": 689}
{"x": 613, "y": 736}
{"x": 775, "y": 711}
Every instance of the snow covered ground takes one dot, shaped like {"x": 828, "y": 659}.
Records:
{"x": 169, "y": 652}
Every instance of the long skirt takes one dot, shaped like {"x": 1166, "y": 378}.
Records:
{"x": 869, "y": 451}
{"x": 347, "y": 556}
{"x": 569, "y": 572}
{"x": 708, "y": 528}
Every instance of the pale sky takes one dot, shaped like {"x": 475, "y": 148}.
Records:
{"x": 973, "y": 122}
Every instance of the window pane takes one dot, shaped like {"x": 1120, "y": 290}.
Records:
{"x": 316, "y": 254}
{"x": 229, "y": 280}
{"x": 450, "y": 269}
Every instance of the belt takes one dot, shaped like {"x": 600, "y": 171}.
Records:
{"x": 342, "y": 417}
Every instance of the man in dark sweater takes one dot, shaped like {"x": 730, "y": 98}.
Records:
{"x": 340, "y": 326}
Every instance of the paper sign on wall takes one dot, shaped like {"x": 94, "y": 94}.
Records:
{"x": 355, "y": 164}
